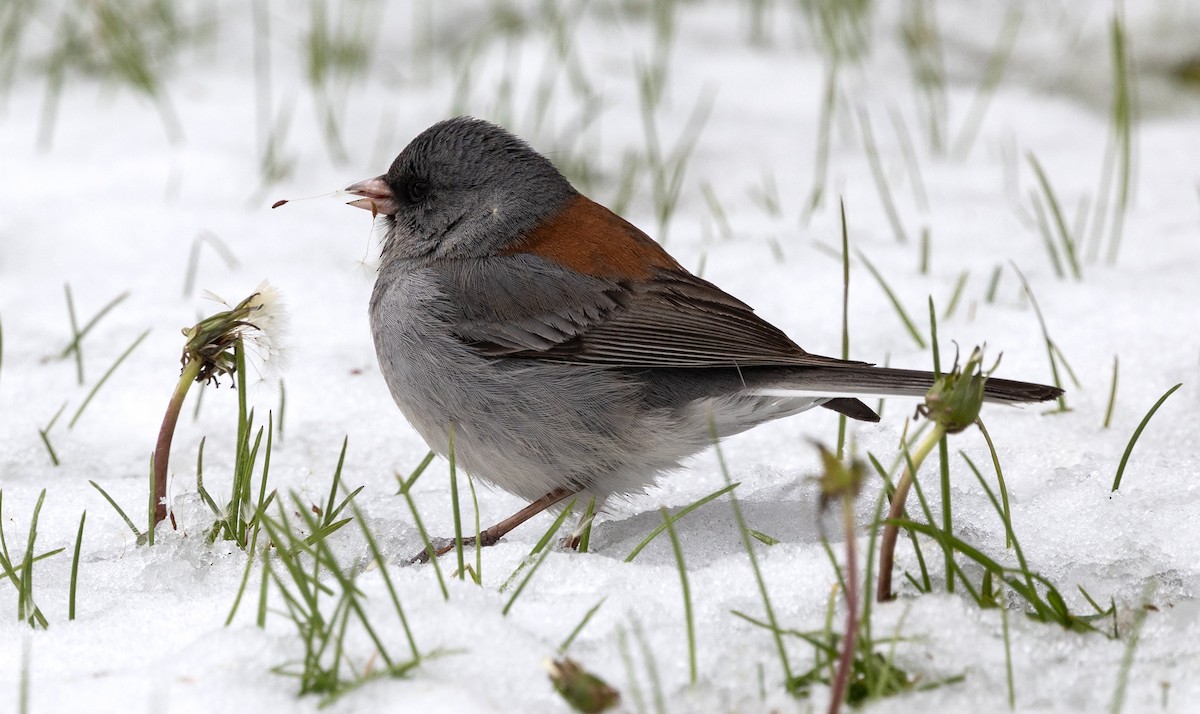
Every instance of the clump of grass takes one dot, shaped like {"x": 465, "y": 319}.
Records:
{"x": 458, "y": 536}
{"x": 840, "y": 28}
{"x": 129, "y": 43}
{"x": 873, "y": 672}
{"x": 326, "y": 607}
{"x": 337, "y": 51}
{"x": 239, "y": 523}
{"x": 716, "y": 210}
{"x": 21, "y": 574}
{"x": 952, "y": 406}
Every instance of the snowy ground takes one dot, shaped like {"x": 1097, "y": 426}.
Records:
{"x": 113, "y": 204}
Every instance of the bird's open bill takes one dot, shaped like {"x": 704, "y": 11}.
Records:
{"x": 376, "y": 195}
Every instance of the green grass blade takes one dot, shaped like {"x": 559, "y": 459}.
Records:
{"x": 587, "y": 617}
{"x": 75, "y": 568}
{"x": 689, "y": 617}
{"x": 479, "y": 532}
{"x": 1137, "y": 433}
{"x": 682, "y": 512}
{"x": 79, "y": 334}
{"x": 74, "y": 345}
{"x": 841, "y": 437}
{"x": 120, "y": 511}
{"x": 1112, "y": 392}
{"x": 1064, "y": 233}
{"x": 1050, "y": 348}
{"x": 44, "y": 433}
{"x": 406, "y": 484}
{"x": 1135, "y": 632}
{"x": 457, "y": 512}
{"x": 992, "y": 74}
{"x": 744, "y": 530}
{"x": 329, "y": 514}
{"x": 1008, "y": 662}
{"x": 885, "y": 192}
{"x": 26, "y": 609}
{"x": 405, "y": 490}
{"x": 955, "y": 296}
{"x": 538, "y": 563}
{"x": 1005, "y": 511}
{"x": 377, "y": 555}
{"x": 891, "y": 296}
{"x": 585, "y": 536}
{"x": 87, "y": 400}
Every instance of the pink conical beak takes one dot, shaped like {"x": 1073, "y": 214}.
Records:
{"x": 376, "y": 195}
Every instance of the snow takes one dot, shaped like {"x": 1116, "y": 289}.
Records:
{"x": 113, "y": 205}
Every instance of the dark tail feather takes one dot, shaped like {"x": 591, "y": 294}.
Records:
{"x": 852, "y": 408}
{"x": 1014, "y": 392}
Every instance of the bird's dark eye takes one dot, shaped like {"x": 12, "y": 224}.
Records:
{"x": 418, "y": 190}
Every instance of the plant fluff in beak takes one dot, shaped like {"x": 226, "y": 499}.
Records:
{"x": 376, "y": 196}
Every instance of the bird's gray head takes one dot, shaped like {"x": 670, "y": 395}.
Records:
{"x": 463, "y": 188}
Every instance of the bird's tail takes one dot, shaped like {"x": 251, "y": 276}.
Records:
{"x": 845, "y": 383}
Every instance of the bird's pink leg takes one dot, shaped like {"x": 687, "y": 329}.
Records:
{"x": 492, "y": 535}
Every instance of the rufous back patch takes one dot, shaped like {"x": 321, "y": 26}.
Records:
{"x": 591, "y": 239}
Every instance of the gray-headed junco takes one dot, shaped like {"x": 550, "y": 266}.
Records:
{"x": 569, "y": 351}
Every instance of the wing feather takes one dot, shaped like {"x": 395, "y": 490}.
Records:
{"x": 525, "y": 306}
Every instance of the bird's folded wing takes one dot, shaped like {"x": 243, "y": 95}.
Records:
{"x": 525, "y": 306}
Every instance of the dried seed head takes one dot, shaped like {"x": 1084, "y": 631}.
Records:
{"x": 955, "y": 398}
{"x": 260, "y": 321}
{"x": 839, "y": 479}
{"x": 584, "y": 691}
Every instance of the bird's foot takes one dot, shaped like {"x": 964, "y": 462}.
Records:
{"x": 441, "y": 546}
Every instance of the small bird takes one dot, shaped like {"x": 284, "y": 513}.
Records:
{"x": 568, "y": 353}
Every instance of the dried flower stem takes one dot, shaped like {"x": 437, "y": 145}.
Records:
{"x": 162, "y": 448}
{"x": 891, "y": 532}
{"x": 846, "y": 659}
